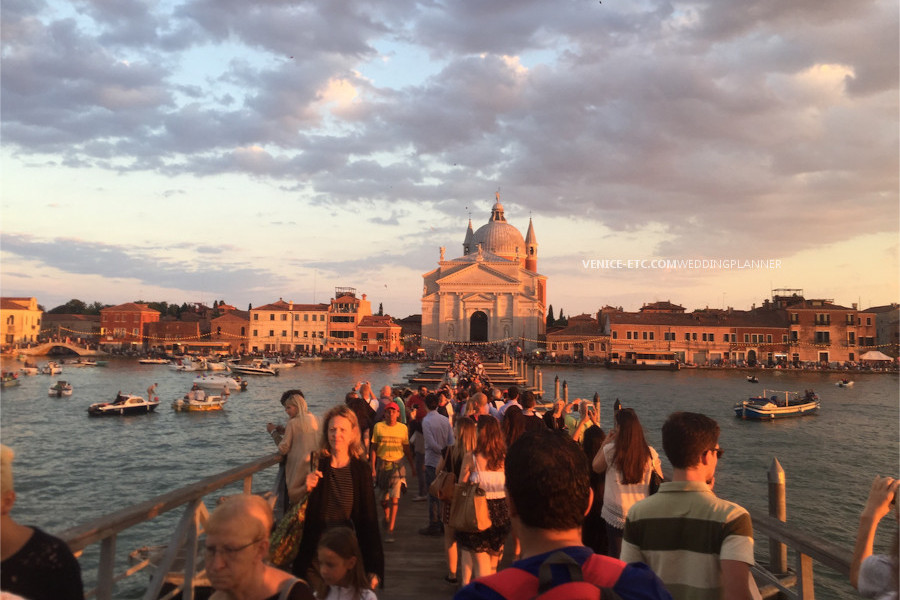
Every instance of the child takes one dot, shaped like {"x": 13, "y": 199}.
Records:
{"x": 341, "y": 567}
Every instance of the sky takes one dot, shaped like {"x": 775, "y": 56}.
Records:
{"x": 247, "y": 151}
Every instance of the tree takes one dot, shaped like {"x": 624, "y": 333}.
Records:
{"x": 562, "y": 321}
{"x": 249, "y": 307}
{"x": 72, "y": 307}
{"x": 550, "y": 319}
{"x": 380, "y": 310}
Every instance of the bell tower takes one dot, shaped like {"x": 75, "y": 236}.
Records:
{"x": 531, "y": 246}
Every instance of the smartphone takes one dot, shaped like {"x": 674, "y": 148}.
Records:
{"x": 314, "y": 459}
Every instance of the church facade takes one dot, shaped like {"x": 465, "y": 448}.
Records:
{"x": 491, "y": 294}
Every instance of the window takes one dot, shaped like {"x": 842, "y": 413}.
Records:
{"x": 243, "y": 332}
{"x": 271, "y": 333}
{"x": 784, "y": 338}
{"x": 615, "y": 335}
{"x": 687, "y": 336}
{"x": 868, "y": 320}
{"x": 795, "y": 317}
{"x": 306, "y": 317}
{"x": 694, "y": 336}
{"x": 769, "y": 338}
{"x": 565, "y": 346}
{"x": 591, "y": 346}
{"x": 795, "y": 336}
{"x": 823, "y": 319}
{"x": 553, "y": 346}
{"x": 851, "y": 339}
{"x": 255, "y": 333}
{"x": 627, "y": 335}
{"x": 283, "y": 317}
{"x": 849, "y": 319}
{"x": 704, "y": 337}
{"x": 746, "y": 338}
{"x": 284, "y": 333}
{"x": 651, "y": 335}
{"x": 823, "y": 337}
{"x": 271, "y": 316}
{"x": 644, "y": 334}
{"x": 379, "y": 336}
{"x": 296, "y": 334}
{"x": 296, "y": 317}
{"x": 669, "y": 336}
{"x": 255, "y": 318}
{"x": 712, "y": 337}
{"x": 364, "y": 336}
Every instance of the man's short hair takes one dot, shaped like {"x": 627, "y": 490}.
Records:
{"x": 479, "y": 399}
{"x": 686, "y": 436}
{"x": 527, "y": 400}
{"x": 513, "y": 392}
{"x": 432, "y": 401}
{"x": 548, "y": 480}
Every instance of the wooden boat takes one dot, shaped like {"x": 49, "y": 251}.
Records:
{"x": 257, "y": 367}
{"x": 124, "y": 404}
{"x": 9, "y": 379}
{"x": 153, "y": 361}
{"x": 198, "y": 403}
{"x": 773, "y": 405}
{"x": 844, "y": 383}
{"x": 646, "y": 361}
{"x": 51, "y": 368}
{"x": 60, "y": 389}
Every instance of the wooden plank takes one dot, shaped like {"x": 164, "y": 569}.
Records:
{"x": 829, "y": 554}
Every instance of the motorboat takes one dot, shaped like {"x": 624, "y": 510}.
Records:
{"x": 220, "y": 382}
{"x": 153, "y": 361}
{"x": 193, "y": 402}
{"x": 60, "y": 389}
{"x": 80, "y": 362}
{"x": 279, "y": 364}
{"x": 216, "y": 365}
{"x": 256, "y": 367}
{"x": 773, "y": 405}
{"x": 9, "y": 379}
{"x": 189, "y": 364}
{"x": 124, "y": 404}
{"x": 844, "y": 383}
{"x": 30, "y": 369}
{"x": 752, "y": 379}
{"x": 51, "y": 368}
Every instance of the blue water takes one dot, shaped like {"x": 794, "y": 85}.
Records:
{"x": 71, "y": 468}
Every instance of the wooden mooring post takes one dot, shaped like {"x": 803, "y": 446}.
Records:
{"x": 777, "y": 510}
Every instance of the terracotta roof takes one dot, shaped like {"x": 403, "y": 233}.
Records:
{"x": 662, "y": 305}
{"x": 234, "y": 315}
{"x": 15, "y": 303}
{"x": 882, "y": 309}
{"x": 578, "y": 325}
{"x": 737, "y": 318}
{"x": 377, "y": 321}
{"x": 129, "y": 307}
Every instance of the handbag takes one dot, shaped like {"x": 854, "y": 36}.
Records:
{"x": 655, "y": 481}
{"x": 285, "y": 539}
{"x": 469, "y": 509}
{"x": 443, "y": 485}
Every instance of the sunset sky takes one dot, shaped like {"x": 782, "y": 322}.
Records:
{"x": 248, "y": 151}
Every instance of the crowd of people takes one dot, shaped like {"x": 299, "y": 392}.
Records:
{"x": 580, "y": 508}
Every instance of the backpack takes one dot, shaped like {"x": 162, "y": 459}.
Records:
{"x": 601, "y": 572}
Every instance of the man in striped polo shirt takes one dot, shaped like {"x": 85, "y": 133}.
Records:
{"x": 700, "y": 545}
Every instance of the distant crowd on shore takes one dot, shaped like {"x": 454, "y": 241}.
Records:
{"x": 587, "y": 512}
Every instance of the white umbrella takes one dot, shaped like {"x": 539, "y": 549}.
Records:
{"x": 875, "y": 355}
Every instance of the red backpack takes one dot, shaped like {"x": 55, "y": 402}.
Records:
{"x": 592, "y": 581}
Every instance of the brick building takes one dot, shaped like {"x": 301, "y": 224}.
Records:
{"x": 379, "y": 334}
{"x": 123, "y": 325}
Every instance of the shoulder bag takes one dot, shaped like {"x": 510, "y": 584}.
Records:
{"x": 469, "y": 508}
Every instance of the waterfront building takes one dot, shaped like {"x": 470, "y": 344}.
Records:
{"x": 379, "y": 333}
{"x": 491, "y": 294}
{"x": 887, "y": 327}
{"x": 75, "y": 327}
{"x": 580, "y": 339}
{"x": 123, "y": 325}
{"x": 820, "y": 330}
{"x": 287, "y": 327}
{"x": 232, "y": 328}
{"x": 345, "y": 311}
{"x": 411, "y": 332}
{"x": 20, "y": 320}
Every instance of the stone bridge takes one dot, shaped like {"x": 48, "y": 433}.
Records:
{"x": 44, "y": 349}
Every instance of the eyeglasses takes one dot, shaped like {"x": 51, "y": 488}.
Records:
{"x": 225, "y": 552}
{"x": 719, "y": 451}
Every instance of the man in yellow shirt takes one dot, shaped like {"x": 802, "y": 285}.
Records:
{"x": 390, "y": 443}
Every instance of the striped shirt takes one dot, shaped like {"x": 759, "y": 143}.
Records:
{"x": 682, "y": 532}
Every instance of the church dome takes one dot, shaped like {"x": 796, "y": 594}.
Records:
{"x": 499, "y": 237}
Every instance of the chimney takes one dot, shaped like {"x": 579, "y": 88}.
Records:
{"x": 291, "y": 305}
{"x": 854, "y": 305}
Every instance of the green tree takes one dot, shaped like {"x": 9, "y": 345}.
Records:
{"x": 72, "y": 307}
{"x": 562, "y": 321}
{"x": 550, "y": 319}
{"x": 380, "y": 310}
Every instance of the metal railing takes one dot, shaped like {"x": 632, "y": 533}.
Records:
{"x": 105, "y": 530}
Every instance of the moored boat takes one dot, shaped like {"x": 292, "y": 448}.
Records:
{"x": 60, "y": 389}
{"x": 773, "y": 405}
{"x": 30, "y": 369}
{"x": 124, "y": 404}
{"x": 9, "y": 379}
{"x": 189, "y": 364}
{"x": 844, "y": 383}
{"x": 153, "y": 361}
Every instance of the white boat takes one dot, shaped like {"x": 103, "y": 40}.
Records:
{"x": 51, "y": 368}
{"x": 153, "y": 361}
{"x": 279, "y": 364}
{"x": 189, "y": 364}
{"x": 199, "y": 403}
{"x": 30, "y": 369}
{"x": 844, "y": 383}
{"x": 220, "y": 382}
{"x": 215, "y": 365}
{"x": 124, "y": 404}
{"x": 60, "y": 389}
{"x": 257, "y": 367}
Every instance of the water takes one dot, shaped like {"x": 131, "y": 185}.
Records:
{"x": 71, "y": 468}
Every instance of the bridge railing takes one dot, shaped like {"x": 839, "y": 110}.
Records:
{"x": 105, "y": 530}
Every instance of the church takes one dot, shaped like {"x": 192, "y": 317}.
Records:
{"x": 491, "y": 294}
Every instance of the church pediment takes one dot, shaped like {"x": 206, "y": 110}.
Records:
{"x": 477, "y": 274}
{"x": 470, "y": 298}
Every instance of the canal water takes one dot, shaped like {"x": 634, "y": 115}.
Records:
{"x": 71, "y": 468}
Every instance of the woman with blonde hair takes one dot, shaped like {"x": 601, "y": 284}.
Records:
{"x": 466, "y": 439}
{"x": 341, "y": 494}
{"x": 485, "y": 466}
{"x": 296, "y": 441}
